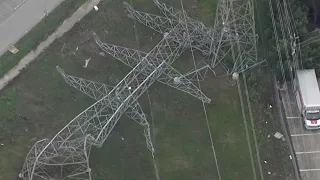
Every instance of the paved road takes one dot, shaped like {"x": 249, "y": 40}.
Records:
{"x": 60, "y": 31}
{"x": 306, "y": 142}
{"x": 19, "y": 16}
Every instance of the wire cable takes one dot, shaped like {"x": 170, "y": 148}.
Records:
{"x": 204, "y": 107}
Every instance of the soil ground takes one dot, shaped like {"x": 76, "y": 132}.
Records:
{"x": 39, "y": 103}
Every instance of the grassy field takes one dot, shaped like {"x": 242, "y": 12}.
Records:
{"x": 45, "y": 27}
{"x": 39, "y": 103}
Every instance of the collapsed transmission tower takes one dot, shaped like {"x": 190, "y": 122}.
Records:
{"x": 234, "y": 25}
{"x": 66, "y": 155}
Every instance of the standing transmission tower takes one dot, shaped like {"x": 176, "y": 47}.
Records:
{"x": 236, "y": 40}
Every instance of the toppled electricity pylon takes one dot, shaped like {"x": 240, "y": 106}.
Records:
{"x": 234, "y": 26}
{"x": 66, "y": 155}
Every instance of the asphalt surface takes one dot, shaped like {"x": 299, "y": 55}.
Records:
{"x": 7, "y": 7}
{"x": 19, "y": 16}
{"x": 306, "y": 143}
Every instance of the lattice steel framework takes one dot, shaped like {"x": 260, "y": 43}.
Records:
{"x": 237, "y": 39}
{"x": 234, "y": 24}
{"x": 66, "y": 155}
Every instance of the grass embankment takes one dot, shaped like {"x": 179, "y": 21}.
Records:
{"x": 37, "y": 34}
{"x": 38, "y": 104}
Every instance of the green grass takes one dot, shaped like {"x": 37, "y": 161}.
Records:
{"x": 39, "y": 103}
{"x": 44, "y": 28}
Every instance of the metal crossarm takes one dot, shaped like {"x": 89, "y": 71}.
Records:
{"x": 171, "y": 78}
{"x": 98, "y": 90}
{"x": 157, "y": 23}
{"x": 169, "y": 12}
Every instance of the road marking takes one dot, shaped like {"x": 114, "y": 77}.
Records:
{"x": 296, "y": 135}
{"x": 309, "y": 152}
{"x": 306, "y": 170}
{"x": 292, "y": 117}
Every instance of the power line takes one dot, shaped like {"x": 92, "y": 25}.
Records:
{"x": 204, "y": 107}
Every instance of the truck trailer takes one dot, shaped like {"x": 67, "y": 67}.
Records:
{"x": 307, "y": 94}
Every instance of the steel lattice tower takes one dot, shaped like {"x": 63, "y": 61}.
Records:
{"x": 66, "y": 155}
{"x": 234, "y": 26}
{"x": 237, "y": 38}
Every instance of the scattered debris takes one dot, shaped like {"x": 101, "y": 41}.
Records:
{"x": 13, "y": 50}
{"x": 279, "y": 136}
{"x": 103, "y": 54}
{"x": 64, "y": 45}
{"x": 87, "y": 62}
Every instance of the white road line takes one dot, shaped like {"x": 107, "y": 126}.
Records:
{"x": 307, "y": 170}
{"x": 311, "y": 134}
{"x": 307, "y": 152}
{"x": 290, "y": 117}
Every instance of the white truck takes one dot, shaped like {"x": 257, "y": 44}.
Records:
{"x": 307, "y": 94}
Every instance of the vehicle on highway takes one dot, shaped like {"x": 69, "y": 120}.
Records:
{"x": 307, "y": 94}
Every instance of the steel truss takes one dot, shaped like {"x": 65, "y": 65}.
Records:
{"x": 234, "y": 24}
{"x": 66, "y": 155}
{"x": 236, "y": 17}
